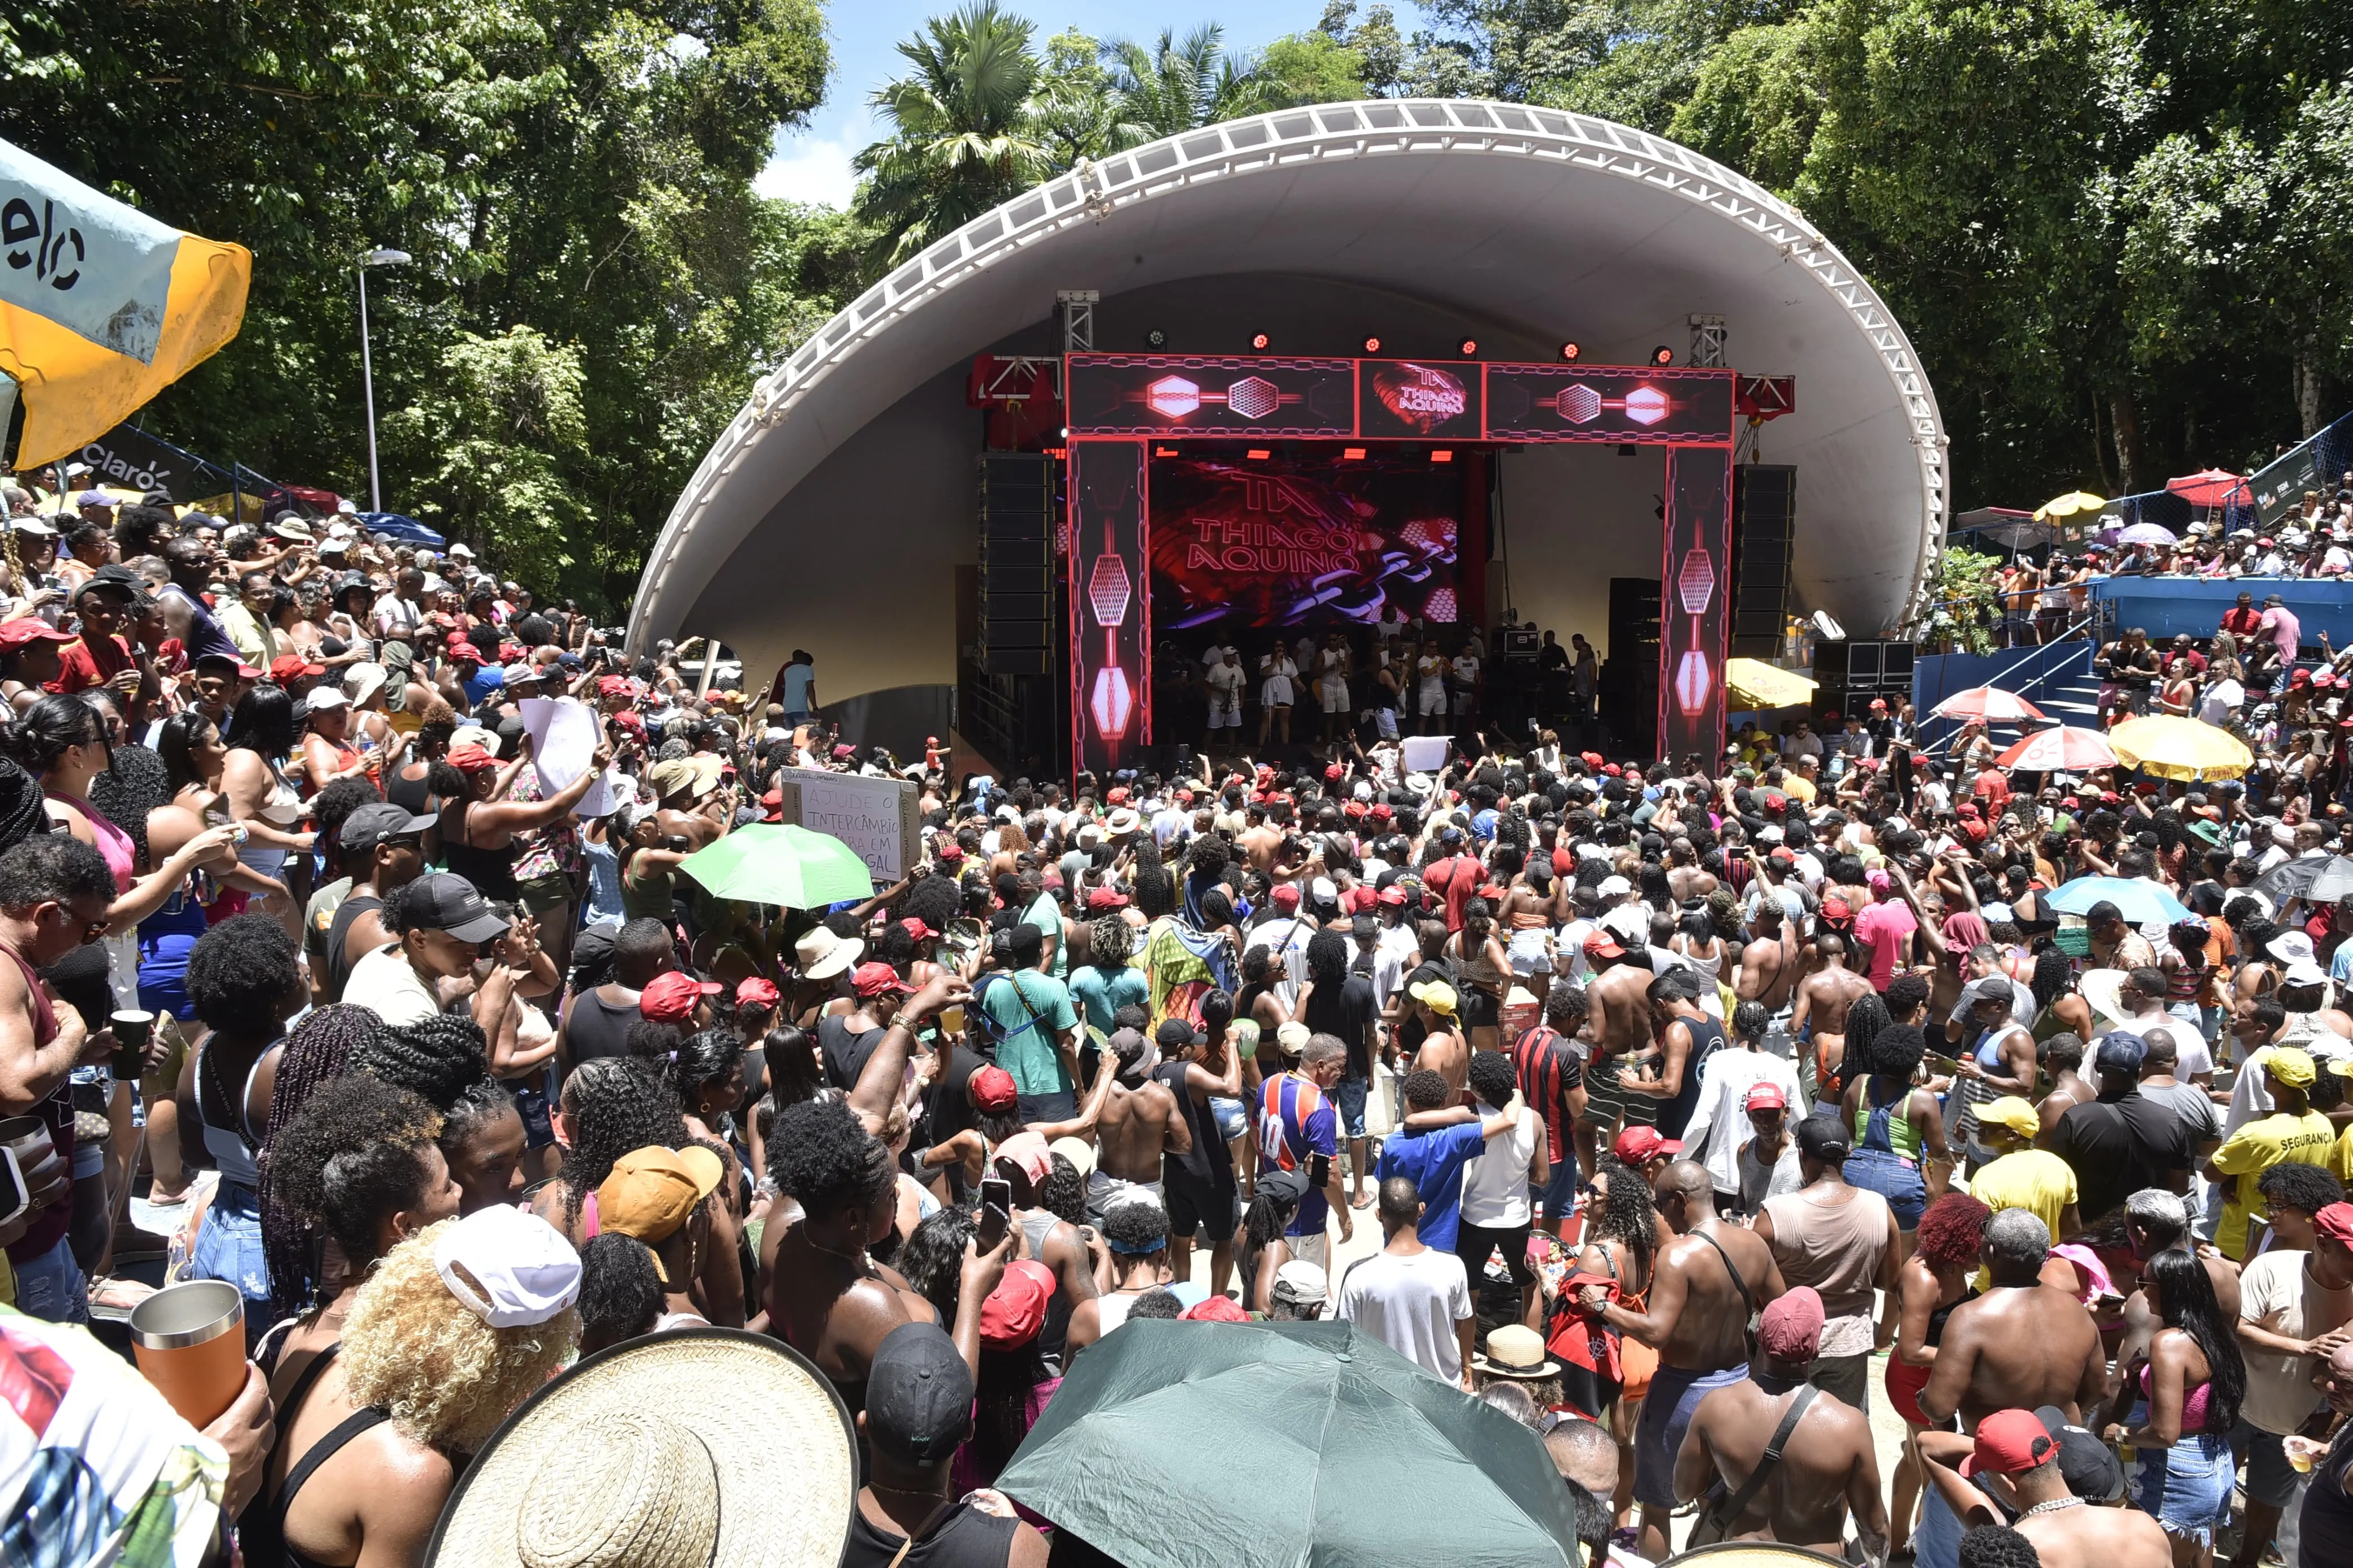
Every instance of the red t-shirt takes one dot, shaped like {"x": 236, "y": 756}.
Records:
{"x": 2241, "y": 623}
{"x": 80, "y": 667}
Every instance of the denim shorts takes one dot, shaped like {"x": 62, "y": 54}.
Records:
{"x": 51, "y": 1287}
{"x": 1233, "y": 1119}
{"x": 1560, "y": 1196}
{"x": 228, "y": 1248}
{"x": 1350, "y": 1092}
{"x": 1894, "y": 1178}
{"x": 2187, "y": 1486}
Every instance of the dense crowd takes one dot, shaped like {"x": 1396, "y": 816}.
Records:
{"x": 1697, "y": 1109}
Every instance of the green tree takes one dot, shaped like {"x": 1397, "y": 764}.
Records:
{"x": 965, "y": 132}
{"x": 492, "y": 437}
{"x": 1310, "y": 68}
{"x": 1176, "y": 84}
{"x": 1374, "y": 41}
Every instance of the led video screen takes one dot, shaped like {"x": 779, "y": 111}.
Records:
{"x": 1312, "y": 540}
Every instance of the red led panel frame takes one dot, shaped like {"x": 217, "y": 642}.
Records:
{"x": 1421, "y": 400}
{"x": 1111, "y": 611}
{"x": 1210, "y": 395}
{"x": 1620, "y": 404}
{"x": 1695, "y": 583}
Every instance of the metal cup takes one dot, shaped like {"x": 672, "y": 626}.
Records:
{"x": 133, "y": 1030}
{"x": 189, "y": 1340}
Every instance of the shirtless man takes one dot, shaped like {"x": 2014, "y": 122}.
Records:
{"x": 1822, "y": 1001}
{"x": 2019, "y": 1454}
{"x": 1708, "y": 1282}
{"x": 1684, "y": 878}
{"x": 1620, "y": 994}
{"x": 1768, "y": 964}
{"x": 1140, "y": 1123}
{"x": 2021, "y": 1346}
{"x": 1828, "y": 1468}
{"x": 1445, "y": 1050}
{"x": 1260, "y": 841}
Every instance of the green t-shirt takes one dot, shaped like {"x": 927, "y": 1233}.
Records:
{"x": 1047, "y": 916}
{"x": 1025, "y": 1048}
{"x": 1101, "y": 993}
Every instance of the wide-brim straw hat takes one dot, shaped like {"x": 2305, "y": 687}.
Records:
{"x": 701, "y": 1447}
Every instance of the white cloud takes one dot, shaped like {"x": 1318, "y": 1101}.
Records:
{"x": 808, "y": 170}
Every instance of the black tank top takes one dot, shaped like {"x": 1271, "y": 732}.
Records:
{"x": 1209, "y": 1160}
{"x": 414, "y": 796}
{"x": 339, "y": 969}
{"x": 965, "y": 1538}
{"x": 1676, "y": 1114}
{"x": 594, "y": 1027}
{"x": 491, "y": 870}
{"x": 263, "y": 1533}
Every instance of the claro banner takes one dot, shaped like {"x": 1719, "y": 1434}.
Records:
{"x": 135, "y": 461}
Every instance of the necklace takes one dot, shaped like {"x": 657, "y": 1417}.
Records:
{"x": 2054, "y": 1506}
{"x": 814, "y": 1244}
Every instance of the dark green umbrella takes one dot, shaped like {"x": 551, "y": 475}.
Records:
{"x": 2315, "y": 879}
{"x": 1175, "y": 1445}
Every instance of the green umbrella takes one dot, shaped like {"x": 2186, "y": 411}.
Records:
{"x": 1171, "y": 1445}
{"x": 793, "y": 867}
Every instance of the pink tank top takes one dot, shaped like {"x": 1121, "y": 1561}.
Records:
{"x": 121, "y": 855}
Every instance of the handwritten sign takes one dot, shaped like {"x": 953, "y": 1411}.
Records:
{"x": 879, "y": 817}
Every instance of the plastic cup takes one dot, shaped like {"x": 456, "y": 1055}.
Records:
{"x": 189, "y": 1340}
{"x": 2303, "y": 1453}
{"x": 952, "y": 1018}
{"x": 133, "y": 1030}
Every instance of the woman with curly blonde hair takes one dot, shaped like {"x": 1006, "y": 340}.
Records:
{"x": 459, "y": 1324}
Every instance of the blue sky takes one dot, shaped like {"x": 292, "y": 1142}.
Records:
{"x": 813, "y": 165}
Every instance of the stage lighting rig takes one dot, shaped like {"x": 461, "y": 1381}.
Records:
{"x": 1260, "y": 342}
{"x": 1155, "y": 339}
{"x": 1468, "y": 348}
{"x": 1663, "y": 355}
{"x": 1571, "y": 352}
{"x": 1372, "y": 345}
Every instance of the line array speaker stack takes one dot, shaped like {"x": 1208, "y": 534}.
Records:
{"x": 1764, "y": 528}
{"x": 1853, "y": 673}
{"x": 1629, "y": 689}
{"x": 1016, "y": 563}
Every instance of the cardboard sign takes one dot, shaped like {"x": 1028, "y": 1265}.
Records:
{"x": 879, "y": 817}
{"x": 1424, "y": 754}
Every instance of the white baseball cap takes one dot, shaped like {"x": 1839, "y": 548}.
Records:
{"x": 517, "y": 1268}
{"x": 1614, "y": 888}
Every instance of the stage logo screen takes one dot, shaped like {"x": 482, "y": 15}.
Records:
{"x": 1237, "y": 543}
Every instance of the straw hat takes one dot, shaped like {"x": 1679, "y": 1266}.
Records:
{"x": 821, "y": 955}
{"x": 2101, "y": 991}
{"x": 1518, "y": 1351}
{"x": 698, "y": 1447}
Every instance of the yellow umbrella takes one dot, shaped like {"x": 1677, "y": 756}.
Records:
{"x": 2180, "y": 748}
{"x": 2068, "y": 505}
{"x": 102, "y": 307}
{"x": 1753, "y": 683}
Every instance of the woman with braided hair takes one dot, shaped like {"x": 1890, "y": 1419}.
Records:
{"x": 358, "y": 1168}
{"x": 317, "y": 1050}
{"x": 444, "y": 1059}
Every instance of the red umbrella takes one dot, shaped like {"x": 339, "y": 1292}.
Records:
{"x": 2063, "y": 750}
{"x": 1990, "y": 703}
{"x": 2208, "y": 486}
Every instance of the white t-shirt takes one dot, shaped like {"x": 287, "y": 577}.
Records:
{"x": 387, "y": 984}
{"x": 1719, "y": 1126}
{"x": 1495, "y": 1183}
{"x": 1411, "y": 1305}
{"x": 2277, "y": 1292}
{"x": 1759, "y": 1181}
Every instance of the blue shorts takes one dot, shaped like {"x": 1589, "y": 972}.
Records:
{"x": 2186, "y": 1487}
{"x": 1231, "y": 1118}
{"x": 228, "y": 1248}
{"x": 1349, "y": 1094}
{"x": 1666, "y": 1415}
{"x": 1892, "y": 1177}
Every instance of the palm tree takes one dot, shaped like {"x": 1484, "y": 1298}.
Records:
{"x": 965, "y": 134}
{"x": 1175, "y": 86}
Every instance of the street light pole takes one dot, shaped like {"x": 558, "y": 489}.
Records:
{"x": 368, "y": 368}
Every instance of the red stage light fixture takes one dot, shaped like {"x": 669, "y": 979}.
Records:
{"x": 1164, "y": 451}
{"x": 1442, "y": 456}
{"x": 1662, "y": 354}
{"x": 1259, "y": 454}
{"x": 1260, "y": 342}
{"x": 1571, "y": 352}
{"x": 1351, "y": 454}
{"x": 1467, "y": 347}
{"x": 1372, "y": 345}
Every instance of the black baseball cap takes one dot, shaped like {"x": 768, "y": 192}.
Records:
{"x": 375, "y": 823}
{"x": 918, "y": 1394}
{"x": 2087, "y": 1465}
{"x": 1176, "y": 1035}
{"x": 446, "y": 901}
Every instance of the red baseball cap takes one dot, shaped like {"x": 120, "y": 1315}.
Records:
{"x": 1015, "y": 1311}
{"x": 918, "y": 930}
{"x": 757, "y": 993}
{"x": 2336, "y": 1222}
{"x": 1638, "y": 1145}
{"x": 471, "y": 757}
{"x": 27, "y": 629}
{"x": 1391, "y": 894}
{"x": 673, "y": 996}
{"x": 1214, "y": 1309}
{"x": 872, "y": 980}
{"x": 612, "y": 686}
{"x": 2010, "y": 1442}
{"x": 1765, "y": 1097}
{"x": 1601, "y": 944}
{"x": 630, "y": 719}
{"x": 1285, "y": 896}
{"x": 1106, "y": 898}
{"x": 293, "y": 666}
{"x": 458, "y": 648}
{"x": 993, "y": 1090}
{"x": 1836, "y": 909}
{"x": 1116, "y": 797}
{"x": 951, "y": 850}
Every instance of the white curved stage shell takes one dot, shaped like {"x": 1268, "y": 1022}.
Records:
{"x": 831, "y": 513}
